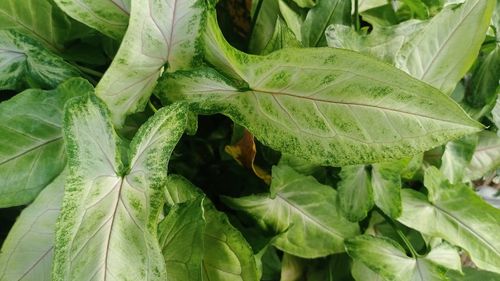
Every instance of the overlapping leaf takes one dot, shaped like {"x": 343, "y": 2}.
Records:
{"x": 161, "y": 33}
{"x": 355, "y": 192}
{"x": 486, "y": 156}
{"x": 304, "y": 211}
{"x": 110, "y": 208}
{"x": 25, "y": 63}
{"x": 320, "y": 17}
{"x": 456, "y": 214}
{"x": 31, "y": 146}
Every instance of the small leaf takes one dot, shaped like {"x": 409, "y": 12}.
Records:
{"x": 264, "y": 26}
{"x": 107, "y": 16}
{"x": 456, "y": 214}
{"x": 179, "y": 190}
{"x": 303, "y": 211}
{"x": 160, "y": 32}
{"x": 320, "y": 17}
{"x": 386, "y": 184}
{"x": 306, "y": 3}
{"x": 457, "y": 156}
{"x": 486, "y": 157}
{"x": 31, "y": 147}
{"x": 386, "y": 258}
{"x": 355, "y": 192}
{"x": 282, "y": 38}
{"x": 293, "y": 18}
{"x": 27, "y": 64}
{"x": 27, "y": 252}
{"x": 483, "y": 87}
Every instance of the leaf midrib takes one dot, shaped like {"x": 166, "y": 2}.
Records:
{"x": 30, "y": 150}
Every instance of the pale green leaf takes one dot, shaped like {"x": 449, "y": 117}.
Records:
{"x": 355, "y": 192}
{"x": 320, "y": 103}
{"x": 264, "y": 25}
{"x": 25, "y": 63}
{"x": 496, "y": 114}
{"x": 437, "y": 54}
{"x": 388, "y": 259}
{"x": 282, "y": 38}
{"x": 181, "y": 240}
{"x": 361, "y": 272}
{"x": 179, "y": 190}
{"x": 457, "y": 156}
{"x": 486, "y": 157}
{"x": 386, "y": 184}
{"x": 306, "y": 3}
{"x": 27, "y": 252}
{"x": 292, "y": 17}
{"x": 326, "y": 12}
{"x": 304, "y": 212}
{"x": 445, "y": 255}
{"x": 31, "y": 146}
{"x": 456, "y": 214}
{"x": 368, "y": 4}
{"x": 292, "y": 268}
{"x": 108, "y": 226}
{"x": 227, "y": 255}
{"x": 41, "y": 19}
{"x": 107, "y": 16}
{"x": 161, "y": 33}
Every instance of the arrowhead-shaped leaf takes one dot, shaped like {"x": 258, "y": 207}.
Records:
{"x": 320, "y": 103}
{"x": 108, "y": 226}
{"x": 107, "y": 16}
{"x": 389, "y": 260}
{"x": 160, "y": 33}
{"x": 31, "y": 145}
{"x": 27, "y": 252}
{"x": 25, "y": 63}
{"x": 456, "y": 214}
{"x": 303, "y": 211}
{"x": 355, "y": 192}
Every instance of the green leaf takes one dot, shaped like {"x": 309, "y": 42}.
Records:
{"x": 496, "y": 114}
{"x": 31, "y": 145}
{"x": 181, "y": 240}
{"x": 486, "y": 157}
{"x": 456, "y": 214}
{"x": 388, "y": 259}
{"x": 437, "y": 54}
{"x": 320, "y": 17}
{"x": 107, "y": 16}
{"x": 108, "y": 224}
{"x": 263, "y": 25}
{"x": 457, "y": 156}
{"x": 306, "y": 3}
{"x": 369, "y": 4}
{"x": 179, "y": 190}
{"x": 320, "y": 103}
{"x": 355, "y": 192}
{"x": 483, "y": 87}
{"x": 293, "y": 17}
{"x": 303, "y": 211}
{"x": 160, "y": 32}
{"x": 282, "y": 38}
{"x": 227, "y": 255}
{"x": 25, "y": 63}
{"x": 41, "y": 19}
{"x": 386, "y": 184}
{"x": 27, "y": 252}
{"x": 472, "y": 274}
{"x": 418, "y": 8}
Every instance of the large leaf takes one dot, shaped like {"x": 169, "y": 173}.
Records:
{"x": 389, "y": 260}
{"x": 320, "y": 104}
{"x": 107, "y": 16}
{"x": 437, "y": 54}
{"x": 27, "y": 252}
{"x": 31, "y": 146}
{"x": 320, "y": 17}
{"x": 41, "y": 19}
{"x": 303, "y": 211}
{"x": 160, "y": 33}
{"x": 107, "y": 228}
{"x": 179, "y": 190}
{"x": 181, "y": 240}
{"x": 25, "y": 63}
{"x": 355, "y": 192}
{"x": 456, "y": 214}
{"x": 486, "y": 157}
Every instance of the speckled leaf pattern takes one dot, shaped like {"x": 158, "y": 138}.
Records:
{"x": 25, "y": 63}
{"x": 444, "y": 50}
{"x": 108, "y": 226}
{"x": 181, "y": 240}
{"x": 41, "y": 19}
{"x": 227, "y": 255}
{"x": 389, "y": 260}
{"x": 161, "y": 33}
{"x": 31, "y": 146}
{"x": 355, "y": 192}
{"x": 486, "y": 157}
{"x": 302, "y": 211}
{"x": 456, "y": 214}
{"x": 27, "y": 252}
{"x": 107, "y": 16}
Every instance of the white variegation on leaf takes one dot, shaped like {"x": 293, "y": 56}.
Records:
{"x": 28, "y": 249}
{"x": 108, "y": 225}
{"x": 107, "y": 16}
{"x": 456, "y": 214}
{"x": 161, "y": 33}
{"x": 302, "y": 211}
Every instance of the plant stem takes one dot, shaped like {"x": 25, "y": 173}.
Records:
{"x": 153, "y": 108}
{"x": 400, "y": 233}
{"x": 356, "y": 15}
{"x": 89, "y": 71}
